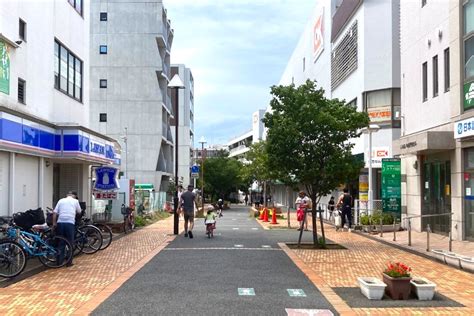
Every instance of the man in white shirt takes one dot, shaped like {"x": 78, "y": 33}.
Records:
{"x": 64, "y": 219}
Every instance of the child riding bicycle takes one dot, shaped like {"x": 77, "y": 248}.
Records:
{"x": 210, "y": 222}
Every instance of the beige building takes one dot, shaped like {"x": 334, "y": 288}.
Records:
{"x": 437, "y": 144}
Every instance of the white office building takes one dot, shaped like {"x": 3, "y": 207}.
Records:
{"x": 240, "y": 145}
{"x": 437, "y": 141}
{"x": 130, "y": 100}
{"x": 186, "y": 122}
{"x": 46, "y": 145}
{"x": 351, "y": 48}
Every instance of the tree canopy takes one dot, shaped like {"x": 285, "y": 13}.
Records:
{"x": 309, "y": 138}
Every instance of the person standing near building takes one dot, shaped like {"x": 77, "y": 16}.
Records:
{"x": 246, "y": 199}
{"x": 345, "y": 202}
{"x": 188, "y": 201}
{"x": 64, "y": 219}
{"x": 331, "y": 205}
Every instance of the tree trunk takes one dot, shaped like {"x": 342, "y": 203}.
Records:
{"x": 313, "y": 219}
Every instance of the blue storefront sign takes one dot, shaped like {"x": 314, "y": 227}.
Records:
{"x": 106, "y": 179}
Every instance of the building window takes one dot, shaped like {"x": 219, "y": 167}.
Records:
{"x": 103, "y": 49}
{"x": 21, "y": 91}
{"x": 435, "y": 76}
{"x": 67, "y": 72}
{"x": 446, "y": 70}
{"x": 423, "y": 3}
{"x": 77, "y": 5}
{"x": 103, "y": 117}
{"x": 103, "y": 83}
{"x": 468, "y": 16}
{"x": 22, "y": 30}
{"x": 382, "y": 106}
{"x": 425, "y": 81}
{"x": 103, "y": 16}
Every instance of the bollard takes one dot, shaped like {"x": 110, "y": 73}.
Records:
{"x": 409, "y": 232}
{"x": 381, "y": 227}
{"x": 428, "y": 230}
{"x": 394, "y": 229}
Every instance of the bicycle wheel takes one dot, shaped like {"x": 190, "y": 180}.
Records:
{"x": 90, "y": 240}
{"x": 51, "y": 252}
{"x": 106, "y": 235}
{"x": 12, "y": 258}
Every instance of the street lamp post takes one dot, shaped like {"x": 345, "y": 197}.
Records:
{"x": 372, "y": 128}
{"x": 202, "y": 141}
{"x": 176, "y": 84}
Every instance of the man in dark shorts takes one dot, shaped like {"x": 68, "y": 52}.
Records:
{"x": 188, "y": 200}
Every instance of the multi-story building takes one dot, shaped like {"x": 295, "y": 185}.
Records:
{"x": 436, "y": 145}
{"x": 186, "y": 122}
{"x": 46, "y": 146}
{"x": 239, "y": 145}
{"x": 130, "y": 70}
{"x": 351, "y": 48}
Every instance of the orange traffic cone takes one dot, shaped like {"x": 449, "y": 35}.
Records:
{"x": 265, "y": 216}
{"x": 274, "y": 217}
{"x": 262, "y": 214}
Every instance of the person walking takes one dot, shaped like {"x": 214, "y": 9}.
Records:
{"x": 246, "y": 199}
{"x": 331, "y": 206}
{"x": 64, "y": 220}
{"x": 188, "y": 201}
{"x": 345, "y": 202}
{"x": 303, "y": 203}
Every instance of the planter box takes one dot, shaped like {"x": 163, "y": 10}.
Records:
{"x": 371, "y": 287}
{"x": 452, "y": 259}
{"x": 439, "y": 254}
{"x": 423, "y": 288}
{"x": 376, "y": 228}
{"x": 397, "y": 288}
{"x": 467, "y": 263}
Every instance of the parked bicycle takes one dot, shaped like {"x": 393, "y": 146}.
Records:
{"x": 128, "y": 219}
{"x": 105, "y": 230}
{"x": 51, "y": 250}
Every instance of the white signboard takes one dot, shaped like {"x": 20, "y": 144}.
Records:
{"x": 464, "y": 128}
{"x": 377, "y": 154}
{"x": 318, "y": 35}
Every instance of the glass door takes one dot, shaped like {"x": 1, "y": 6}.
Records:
{"x": 468, "y": 179}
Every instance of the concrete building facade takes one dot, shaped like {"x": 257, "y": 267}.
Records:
{"x": 46, "y": 145}
{"x": 239, "y": 145}
{"x": 186, "y": 123}
{"x": 130, "y": 70}
{"x": 436, "y": 145}
{"x": 351, "y": 48}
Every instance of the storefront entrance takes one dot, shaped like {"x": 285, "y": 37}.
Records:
{"x": 468, "y": 194}
{"x": 436, "y": 196}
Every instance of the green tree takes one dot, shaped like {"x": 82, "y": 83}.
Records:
{"x": 222, "y": 176}
{"x": 309, "y": 138}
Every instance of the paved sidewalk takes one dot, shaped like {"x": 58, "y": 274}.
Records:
{"x": 330, "y": 269}
{"x": 79, "y": 289}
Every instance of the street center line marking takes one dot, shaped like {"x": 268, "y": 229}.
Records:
{"x": 254, "y": 228}
{"x": 239, "y": 246}
{"x": 266, "y": 246}
{"x": 246, "y": 291}
{"x": 296, "y": 293}
{"x": 309, "y": 312}
{"x": 235, "y": 228}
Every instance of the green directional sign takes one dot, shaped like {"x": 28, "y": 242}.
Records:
{"x": 392, "y": 186}
{"x": 468, "y": 95}
{"x": 4, "y": 68}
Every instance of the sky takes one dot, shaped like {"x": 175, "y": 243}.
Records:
{"x": 236, "y": 50}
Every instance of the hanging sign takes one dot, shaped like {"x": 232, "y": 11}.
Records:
{"x": 4, "y": 68}
{"x": 106, "y": 179}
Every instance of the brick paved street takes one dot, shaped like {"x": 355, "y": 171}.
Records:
{"x": 329, "y": 269}
{"x": 80, "y": 288}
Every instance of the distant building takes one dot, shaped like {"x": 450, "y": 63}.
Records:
{"x": 130, "y": 70}
{"x": 46, "y": 145}
{"x": 186, "y": 122}
{"x": 239, "y": 145}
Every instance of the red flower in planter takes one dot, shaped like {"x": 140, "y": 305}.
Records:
{"x": 397, "y": 270}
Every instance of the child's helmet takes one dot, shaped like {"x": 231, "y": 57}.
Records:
{"x": 210, "y": 208}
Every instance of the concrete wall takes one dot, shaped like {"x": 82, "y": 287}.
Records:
{"x": 134, "y": 98}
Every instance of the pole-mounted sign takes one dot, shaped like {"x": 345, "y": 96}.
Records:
{"x": 106, "y": 179}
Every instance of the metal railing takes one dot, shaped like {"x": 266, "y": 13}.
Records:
{"x": 428, "y": 229}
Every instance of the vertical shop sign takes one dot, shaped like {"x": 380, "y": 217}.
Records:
{"x": 469, "y": 95}
{"x": 391, "y": 186}
{"x": 4, "y": 68}
{"x": 363, "y": 190}
{"x": 318, "y": 36}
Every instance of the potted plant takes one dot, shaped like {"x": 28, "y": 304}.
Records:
{"x": 371, "y": 287}
{"x": 397, "y": 277}
{"x": 423, "y": 288}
